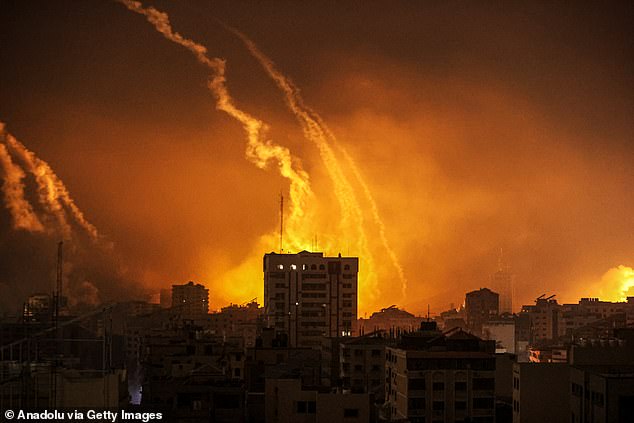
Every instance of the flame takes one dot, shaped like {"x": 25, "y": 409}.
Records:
{"x": 617, "y": 284}
{"x": 261, "y": 151}
{"x": 316, "y": 131}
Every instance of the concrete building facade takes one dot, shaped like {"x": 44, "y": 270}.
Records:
{"x": 435, "y": 377}
{"x": 191, "y": 300}
{"x": 308, "y": 296}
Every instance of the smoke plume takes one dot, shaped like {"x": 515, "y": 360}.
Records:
{"x": 260, "y": 150}
{"x": 22, "y": 214}
{"x": 316, "y": 131}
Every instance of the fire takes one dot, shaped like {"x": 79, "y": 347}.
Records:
{"x": 304, "y": 208}
{"x": 617, "y": 284}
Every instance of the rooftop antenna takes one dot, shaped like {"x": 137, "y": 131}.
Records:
{"x": 428, "y": 312}
{"x": 281, "y": 222}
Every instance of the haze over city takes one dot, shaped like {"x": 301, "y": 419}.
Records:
{"x": 422, "y": 138}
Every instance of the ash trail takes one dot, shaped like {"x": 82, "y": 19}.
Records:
{"x": 52, "y": 194}
{"x": 260, "y": 151}
{"x": 316, "y": 131}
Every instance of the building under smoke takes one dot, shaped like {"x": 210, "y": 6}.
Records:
{"x": 191, "y": 300}
{"x": 307, "y": 296}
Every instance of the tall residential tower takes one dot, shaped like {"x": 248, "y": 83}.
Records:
{"x": 308, "y": 296}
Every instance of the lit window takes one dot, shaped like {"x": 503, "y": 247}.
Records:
{"x": 280, "y": 266}
{"x": 293, "y": 266}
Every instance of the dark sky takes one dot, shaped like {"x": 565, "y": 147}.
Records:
{"x": 476, "y": 125}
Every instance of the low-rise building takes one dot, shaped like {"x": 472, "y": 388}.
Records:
{"x": 287, "y": 401}
{"x": 436, "y": 377}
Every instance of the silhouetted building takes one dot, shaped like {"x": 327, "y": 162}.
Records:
{"x": 543, "y": 318}
{"x": 191, "y": 300}
{"x": 38, "y": 308}
{"x": 602, "y": 394}
{"x": 502, "y": 283}
{"x": 480, "y": 306}
{"x": 436, "y": 377}
{"x": 389, "y": 319}
{"x": 308, "y": 296}
{"x": 502, "y": 330}
{"x": 287, "y": 401}
{"x": 237, "y": 321}
{"x": 541, "y": 392}
{"x": 363, "y": 364}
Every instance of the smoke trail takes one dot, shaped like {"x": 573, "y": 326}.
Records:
{"x": 370, "y": 199}
{"x": 316, "y": 131}
{"x": 259, "y": 150}
{"x": 22, "y": 213}
{"x": 52, "y": 193}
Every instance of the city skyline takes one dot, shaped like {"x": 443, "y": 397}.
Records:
{"x": 421, "y": 143}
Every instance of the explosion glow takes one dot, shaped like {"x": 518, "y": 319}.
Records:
{"x": 299, "y": 228}
{"x": 421, "y": 141}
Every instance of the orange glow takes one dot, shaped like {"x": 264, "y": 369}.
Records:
{"x": 617, "y": 284}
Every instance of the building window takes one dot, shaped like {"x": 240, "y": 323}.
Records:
{"x": 438, "y": 405}
{"x": 350, "y": 412}
{"x": 482, "y": 384}
{"x": 461, "y": 405}
{"x": 438, "y": 386}
{"x": 306, "y": 407}
{"x": 322, "y": 267}
{"x": 416, "y": 404}
{"x": 280, "y": 266}
{"x": 483, "y": 403}
{"x": 417, "y": 384}
{"x": 346, "y": 267}
{"x": 461, "y": 386}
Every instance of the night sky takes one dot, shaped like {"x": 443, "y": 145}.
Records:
{"x": 474, "y": 126}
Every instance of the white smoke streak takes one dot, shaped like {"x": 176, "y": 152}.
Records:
{"x": 22, "y": 214}
{"x": 259, "y": 150}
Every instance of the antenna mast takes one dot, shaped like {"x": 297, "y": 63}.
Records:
{"x": 281, "y": 222}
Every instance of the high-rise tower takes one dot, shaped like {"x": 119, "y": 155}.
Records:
{"x": 308, "y": 296}
{"x": 502, "y": 283}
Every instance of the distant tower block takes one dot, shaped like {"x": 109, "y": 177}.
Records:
{"x": 192, "y": 300}
{"x": 502, "y": 283}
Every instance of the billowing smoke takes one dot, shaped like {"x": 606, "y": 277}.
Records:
{"x": 315, "y": 130}
{"x": 36, "y": 222}
{"x": 260, "y": 150}
{"x": 352, "y": 223}
{"x": 23, "y": 216}
{"x": 53, "y": 195}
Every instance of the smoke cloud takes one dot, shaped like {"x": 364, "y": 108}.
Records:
{"x": 473, "y": 128}
{"x": 29, "y": 243}
{"x": 22, "y": 214}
